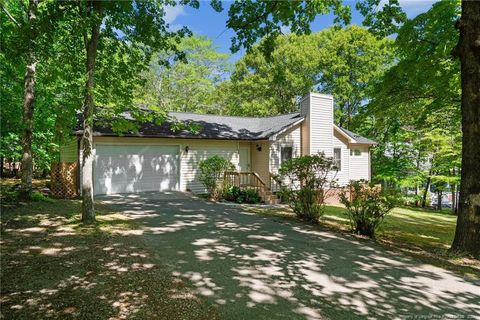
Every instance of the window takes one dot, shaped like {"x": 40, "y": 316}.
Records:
{"x": 337, "y": 158}
{"x": 286, "y": 153}
{"x": 355, "y": 152}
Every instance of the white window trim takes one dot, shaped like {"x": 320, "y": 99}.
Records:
{"x": 341, "y": 157}
{"x": 282, "y": 145}
{"x": 352, "y": 150}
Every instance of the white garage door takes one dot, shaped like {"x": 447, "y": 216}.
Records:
{"x": 135, "y": 168}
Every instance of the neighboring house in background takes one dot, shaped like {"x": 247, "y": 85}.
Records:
{"x": 159, "y": 159}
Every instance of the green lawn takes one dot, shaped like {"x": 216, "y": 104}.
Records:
{"x": 426, "y": 229}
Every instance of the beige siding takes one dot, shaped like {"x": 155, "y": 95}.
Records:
{"x": 69, "y": 151}
{"x": 321, "y": 124}
{"x": 305, "y": 126}
{"x": 260, "y": 160}
{"x": 201, "y": 150}
{"x": 198, "y": 150}
{"x": 343, "y": 176}
{"x": 289, "y": 138}
{"x": 359, "y": 165}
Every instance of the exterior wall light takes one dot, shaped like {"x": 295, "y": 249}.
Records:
{"x": 259, "y": 147}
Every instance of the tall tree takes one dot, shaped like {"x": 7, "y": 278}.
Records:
{"x": 27, "y": 38}
{"x": 121, "y": 36}
{"x": 342, "y": 62}
{"x": 185, "y": 85}
{"x": 418, "y": 95}
{"x": 432, "y": 82}
{"x": 467, "y": 233}
{"x": 352, "y": 60}
{"x": 93, "y": 12}
{"x": 26, "y": 24}
{"x": 29, "y": 100}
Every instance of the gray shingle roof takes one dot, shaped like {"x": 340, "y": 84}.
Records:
{"x": 219, "y": 127}
{"x": 358, "y": 138}
{"x": 212, "y": 127}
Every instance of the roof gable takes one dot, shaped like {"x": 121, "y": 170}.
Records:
{"x": 353, "y": 137}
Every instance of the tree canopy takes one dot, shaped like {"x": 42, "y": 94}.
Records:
{"x": 342, "y": 62}
{"x": 187, "y": 85}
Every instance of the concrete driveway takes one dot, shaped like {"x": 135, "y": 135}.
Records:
{"x": 255, "y": 267}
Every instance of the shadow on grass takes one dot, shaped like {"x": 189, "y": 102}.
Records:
{"x": 53, "y": 267}
{"x": 447, "y": 212}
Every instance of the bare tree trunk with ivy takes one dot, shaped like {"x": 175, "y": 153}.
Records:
{"x": 93, "y": 12}
{"x": 28, "y": 104}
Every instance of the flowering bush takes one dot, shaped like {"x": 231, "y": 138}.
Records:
{"x": 367, "y": 205}
{"x": 304, "y": 184}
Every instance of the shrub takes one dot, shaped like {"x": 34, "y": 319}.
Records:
{"x": 40, "y": 197}
{"x": 231, "y": 193}
{"x": 211, "y": 174}
{"x": 368, "y": 206}
{"x": 251, "y": 196}
{"x": 234, "y": 193}
{"x": 9, "y": 194}
{"x": 304, "y": 184}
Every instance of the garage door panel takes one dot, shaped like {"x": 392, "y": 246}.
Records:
{"x": 129, "y": 169}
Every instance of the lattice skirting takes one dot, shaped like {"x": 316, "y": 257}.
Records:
{"x": 64, "y": 179}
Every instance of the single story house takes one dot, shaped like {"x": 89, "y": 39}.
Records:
{"x": 156, "y": 158}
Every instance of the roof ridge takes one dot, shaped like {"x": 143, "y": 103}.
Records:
{"x": 229, "y": 116}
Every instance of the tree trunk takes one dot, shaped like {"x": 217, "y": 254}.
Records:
{"x": 28, "y": 105}
{"x": 94, "y": 12}
{"x": 439, "y": 200}
{"x": 416, "y": 195}
{"x": 454, "y": 198}
{"x": 467, "y": 233}
{"x": 425, "y": 192}
{"x": 1, "y": 168}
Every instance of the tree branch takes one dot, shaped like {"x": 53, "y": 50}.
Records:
{"x": 9, "y": 15}
{"x": 259, "y": 17}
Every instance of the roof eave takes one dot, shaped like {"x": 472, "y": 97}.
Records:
{"x": 284, "y": 129}
{"x": 339, "y": 130}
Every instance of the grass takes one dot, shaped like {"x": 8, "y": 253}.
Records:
{"x": 423, "y": 233}
{"x": 423, "y": 228}
{"x": 53, "y": 266}
{"x": 9, "y": 191}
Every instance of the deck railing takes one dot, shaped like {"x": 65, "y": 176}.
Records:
{"x": 245, "y": 180}
{"x": 274, "y": 183}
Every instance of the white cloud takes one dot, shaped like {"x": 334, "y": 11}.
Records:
{"x": 173, "y": 12}
{"x": 414, "y": 7}
{"x": 411, "y": 7}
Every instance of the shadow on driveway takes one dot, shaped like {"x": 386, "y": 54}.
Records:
{"x": 269, "y": 268}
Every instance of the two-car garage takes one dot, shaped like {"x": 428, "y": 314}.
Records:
{"x": 128, "y": 168}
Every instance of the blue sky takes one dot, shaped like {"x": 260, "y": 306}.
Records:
{"x": 207, "y": 22}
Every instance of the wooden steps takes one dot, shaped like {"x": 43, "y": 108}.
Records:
{"x": 251, "y": 180}
{"x": 269, "y": 197}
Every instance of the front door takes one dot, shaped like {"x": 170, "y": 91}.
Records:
{"x": 244, "y": 161}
